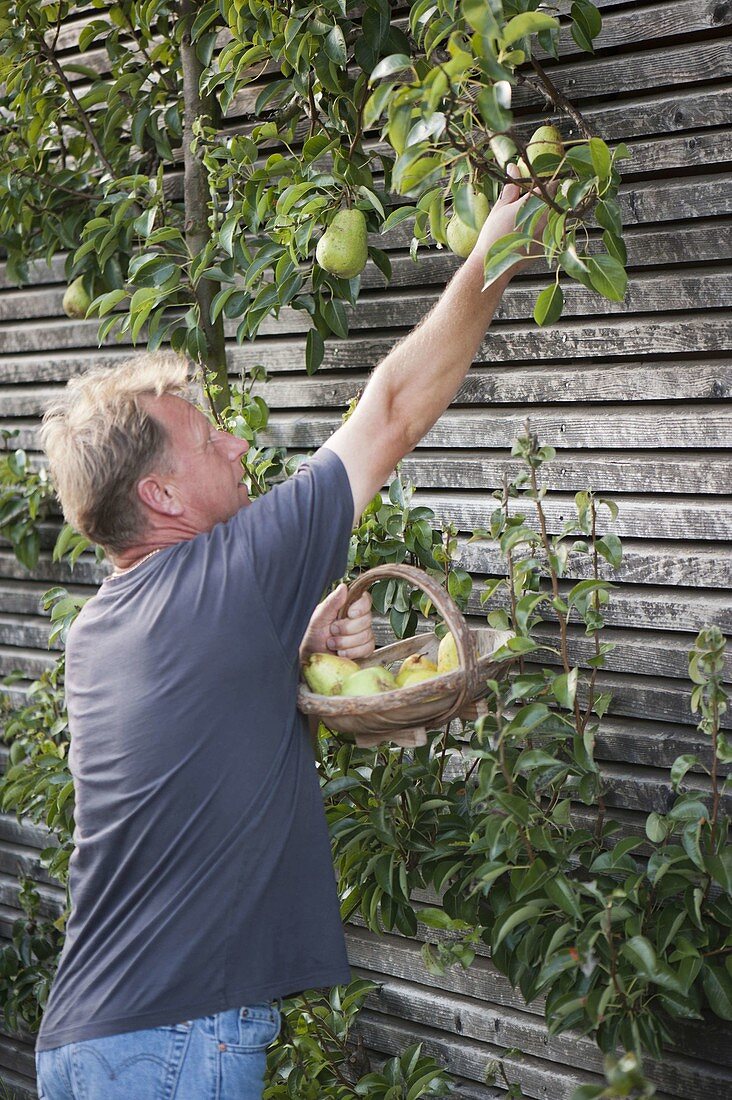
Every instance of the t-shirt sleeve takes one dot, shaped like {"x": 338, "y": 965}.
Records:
{"x": 297, "y": 537}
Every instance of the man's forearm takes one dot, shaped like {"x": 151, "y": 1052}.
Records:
{"x": 424, "y": 371}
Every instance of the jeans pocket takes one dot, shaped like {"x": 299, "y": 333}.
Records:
{"x": 259, "y": 1026}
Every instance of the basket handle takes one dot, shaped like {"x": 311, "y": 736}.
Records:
{"x": 444, "y": 603}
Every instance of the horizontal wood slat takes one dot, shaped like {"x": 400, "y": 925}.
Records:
{"x": 656, "y": 428}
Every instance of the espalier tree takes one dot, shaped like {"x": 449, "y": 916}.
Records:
{"x": 204, "y": 166}
{"x": 205, "y": 163}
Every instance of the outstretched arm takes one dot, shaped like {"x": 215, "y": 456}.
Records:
{"x": 415, "y": 383}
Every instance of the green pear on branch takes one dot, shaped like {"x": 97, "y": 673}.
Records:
{"x": 76, "y": 300}
{"x": 546, "y": 139}
{"x": 343, "y": 248}
{"x": 461, "y": 237}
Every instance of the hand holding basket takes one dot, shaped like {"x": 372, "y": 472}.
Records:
{"x": 404, "y": 714}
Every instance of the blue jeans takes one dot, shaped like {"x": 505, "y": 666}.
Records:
{"x": 219, "y": 1057}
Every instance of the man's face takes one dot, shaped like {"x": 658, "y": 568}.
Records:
{"x": 207, "y": 479}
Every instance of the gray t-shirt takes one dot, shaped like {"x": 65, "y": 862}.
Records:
{"x": 202, "y": 877}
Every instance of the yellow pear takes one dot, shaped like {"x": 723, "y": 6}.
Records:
{"x": 415, "y": 661}
{"x": 416, "y": 676}
{"x": 447, "y": 656}
{"x": 343, "y": 248}
{"x": 326, "y": 673}
{"x": 461, "y": 237}
{"x": 546, "y": 139}
{"x": 76, "y": 301}
{"x": 369, "y": 681}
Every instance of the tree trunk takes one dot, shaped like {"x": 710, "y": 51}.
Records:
{"x": 196, "y": 199}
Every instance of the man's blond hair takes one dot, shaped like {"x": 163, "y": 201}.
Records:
{"x": 100, "y": 440}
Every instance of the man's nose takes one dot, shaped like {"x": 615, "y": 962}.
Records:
{"x": 239, "y": 447}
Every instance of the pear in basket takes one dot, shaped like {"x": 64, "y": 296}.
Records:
{"x": 416, "y": 676}
{"x": 447, "y": 657}
{"x": 369, "y": 681}
{"x": 415, "y": 662}
{"x": 326, "y": 673}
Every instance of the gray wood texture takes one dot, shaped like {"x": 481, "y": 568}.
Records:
{"x": 634, "y": 396}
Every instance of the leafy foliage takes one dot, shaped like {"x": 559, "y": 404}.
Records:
{"x": 345, "y": 106}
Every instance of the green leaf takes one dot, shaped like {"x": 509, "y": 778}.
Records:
{"x": 680, "y": 767}
{"x": 511, "y": 918}
{"x": 601, "y": 160}
{"x": 656, "y": 829}
{"x": 226, "y": 233}
{"x": 564, "y": 688}
{"x": 479, "y": 15}
{"x": 608, "y": 277}
{"x": 494, "y": 104}
{"x": 314, "y": 350}
{"x": 718, "y": 988}
{"x": 394, "y": 63}
{"x": 335, "y": 46}
{"x": 548, "y": 308}
{"x": 529, "y": 22}
{"x": 107, "y": 302}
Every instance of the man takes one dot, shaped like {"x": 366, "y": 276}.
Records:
{"x": 202, "y": 883}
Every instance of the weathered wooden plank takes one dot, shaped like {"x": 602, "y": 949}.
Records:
{"x": 86, "y": 571}
{"x": 701, "y": 240}
{"x": 646, "y": 293}
{"x": 648, "y": 24}
{"x": 16, "y": 1055}
{"x": 633, "y": 695}
{"x": 640, "y": 607}
{"x": 415, "y": 1001}
{"x": 644, "y": 246}
{"x": 642, "y": 563}
{"x": 15, "y": 630}
{"x": 650, "y": 112}
{"x": 25, "y": 660}
{"x": 637, "y": 518}
{"x": 610, "y": 472}
{"x": 613, "y": 337}
{"x": 684, "y": 611}
{"x": 537, "y": 1078}
{"x": 395, "y": 956}
{"x": 664, "y": 68}
{"x": 671, "y": 67}
{"x": 652, "y": 427}
{"x": 642, "y": 380}
{"x": 695, "y": 566}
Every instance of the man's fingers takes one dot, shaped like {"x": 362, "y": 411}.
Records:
{"x": 352, "y": 629}
{"x": 347, "y": 644}
{"x": 361, "y": 606}
{"x": 364, "y": 650}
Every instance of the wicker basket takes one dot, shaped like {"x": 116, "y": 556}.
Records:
{"x": 403, "y": 715}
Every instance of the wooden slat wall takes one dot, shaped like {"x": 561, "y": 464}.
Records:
{"x": 634, "y": 396}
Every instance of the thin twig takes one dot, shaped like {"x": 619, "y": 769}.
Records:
{"x": 560, "y": 100}
{"x": 83, "y": 117}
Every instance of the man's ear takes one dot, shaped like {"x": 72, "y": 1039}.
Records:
{"x": 159, "y": 495}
